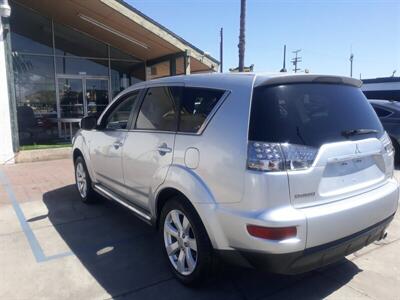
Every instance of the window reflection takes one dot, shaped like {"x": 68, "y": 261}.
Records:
{"x": 82, "y": 66}
{"x": 84, "y": 69}
{"x": 96, "y": 95}
{"x": 36, "y": 98}
{"x": 71, "y": 98}
{"x": 125, "y": 74}
{"x": 74, "y": 43}
{"x": 35, "y": 38}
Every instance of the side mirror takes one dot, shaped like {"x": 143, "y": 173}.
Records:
{"x": 89, "y": 123}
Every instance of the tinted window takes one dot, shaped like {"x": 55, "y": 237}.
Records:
{"x": 381, "y": 112}
{"x": 70, "y": 42}
{"x": 119, "y": 117}
{"x": 309, "y": 114}
{"x": 197, "y": 103}
{"x": 158, "y": 110}
{"x": 30, "y": 32}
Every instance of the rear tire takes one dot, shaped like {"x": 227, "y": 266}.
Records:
{"x": 83, "y": 182}
{"x": 396, "y": 152}
{"x": 184, "y": 239}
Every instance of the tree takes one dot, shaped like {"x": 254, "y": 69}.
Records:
{"x": 241, "y": 44}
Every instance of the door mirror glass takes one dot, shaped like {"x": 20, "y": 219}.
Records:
{"x": 89, "y": 123}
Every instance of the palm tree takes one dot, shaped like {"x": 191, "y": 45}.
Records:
{"x": 241, "y": 44}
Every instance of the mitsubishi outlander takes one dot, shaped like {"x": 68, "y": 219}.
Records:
{"x": 283, "y": 172}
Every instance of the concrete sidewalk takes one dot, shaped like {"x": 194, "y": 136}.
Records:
{"x": 54, "y": 247}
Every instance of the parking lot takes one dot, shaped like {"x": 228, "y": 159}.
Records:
{"x": 54, "y": 247}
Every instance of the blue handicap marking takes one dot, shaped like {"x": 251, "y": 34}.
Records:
{"x": 26, "y": 228}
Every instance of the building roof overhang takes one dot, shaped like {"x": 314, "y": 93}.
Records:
{"x": 122, "y": 26}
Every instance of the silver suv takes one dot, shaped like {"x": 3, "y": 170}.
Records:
{"x": 284, "y": 172}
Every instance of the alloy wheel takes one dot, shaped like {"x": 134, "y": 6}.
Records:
{"x": 81, "y": 181}
{"x": 180, "y": 242}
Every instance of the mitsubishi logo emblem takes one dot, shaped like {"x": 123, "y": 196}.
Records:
{"x": 357, "y": 150}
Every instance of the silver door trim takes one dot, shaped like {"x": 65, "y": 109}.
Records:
{"x": 112, "y": 196}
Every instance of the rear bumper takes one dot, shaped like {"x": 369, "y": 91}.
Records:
{"x": 318, "y": 225}
{"x": 310, "y": 258}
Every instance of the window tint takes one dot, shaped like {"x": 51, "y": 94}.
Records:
{"x": 158, "y": 110}
{"x": 309, "y": 114}
{"x": 381, "y": 112}
{"x": 197, "y": 103}
{"x": 119, "y": 117}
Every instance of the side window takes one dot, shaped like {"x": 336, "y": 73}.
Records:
{"x": 119, "y": 117}
{"x": 381, "y": 112}
{"x": 196, "y": 105}
{"x": 159, "y": 109}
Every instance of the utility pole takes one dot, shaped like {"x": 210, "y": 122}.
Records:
{"x": 283, "y": 70}
{"x": 296, "y": 60}
{"x": 221, "y": 50}
{"x": 351, "y": 64}
{"x": 241, "y": 44}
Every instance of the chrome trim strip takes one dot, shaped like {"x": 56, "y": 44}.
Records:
{"x": 123, "y": 203}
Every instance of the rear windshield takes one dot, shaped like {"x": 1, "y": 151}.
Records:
{"x": 310, "y": 114}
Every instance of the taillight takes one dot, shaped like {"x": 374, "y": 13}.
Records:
{"x": 387, "y": 143}
{"x": 272, "y": 233}
{"x": 279, "y": 157}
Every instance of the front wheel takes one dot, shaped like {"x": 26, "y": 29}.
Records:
{"x": 83, "y": 182}
{"x": 185, "y": 240}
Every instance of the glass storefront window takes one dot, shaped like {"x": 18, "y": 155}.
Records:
{"x": 118, "y": 54}
{"x": 36, "y": 98}
{"x": 82, "y": 66}
{"x": 70, "y": 42}
{"x": 71, "y": 98}
{"x": 96, "y": 95}
{"x": 125, "y": 74}
{"x": 33, "y": 38}
{"x": 34, "y": 82}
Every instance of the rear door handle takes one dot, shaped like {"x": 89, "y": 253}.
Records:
{"x": 117, "y": 145}
{"x": 163, "y": 149}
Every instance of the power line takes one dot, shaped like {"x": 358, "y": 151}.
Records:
{"x": 351, "y": 64}
{"x": 296, "y": 60}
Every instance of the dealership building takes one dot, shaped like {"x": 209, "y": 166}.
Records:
{"x": 63, "y": 59}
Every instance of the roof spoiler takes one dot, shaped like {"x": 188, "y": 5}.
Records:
{"x": 287, "y": 79}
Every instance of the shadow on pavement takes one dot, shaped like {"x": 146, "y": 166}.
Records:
{"x": 124, "y": 255}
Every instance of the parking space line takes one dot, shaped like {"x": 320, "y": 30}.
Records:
{"x": 26, "y": 228}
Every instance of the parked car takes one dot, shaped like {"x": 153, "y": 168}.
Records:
{"x": 389, "y": 114}
{"x": 285, "y": 172}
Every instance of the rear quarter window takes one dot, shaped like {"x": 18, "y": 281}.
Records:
{"x": 196, "y": 106}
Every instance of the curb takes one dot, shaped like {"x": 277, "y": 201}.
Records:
{"x": 42, "y": 154}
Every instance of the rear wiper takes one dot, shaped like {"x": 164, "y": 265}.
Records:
{"x": 352, "y": 132}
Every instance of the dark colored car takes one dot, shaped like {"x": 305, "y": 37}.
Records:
{"x": 389, "y": 114}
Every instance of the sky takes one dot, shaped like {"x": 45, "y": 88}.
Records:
{"x": 325, "y": 31}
